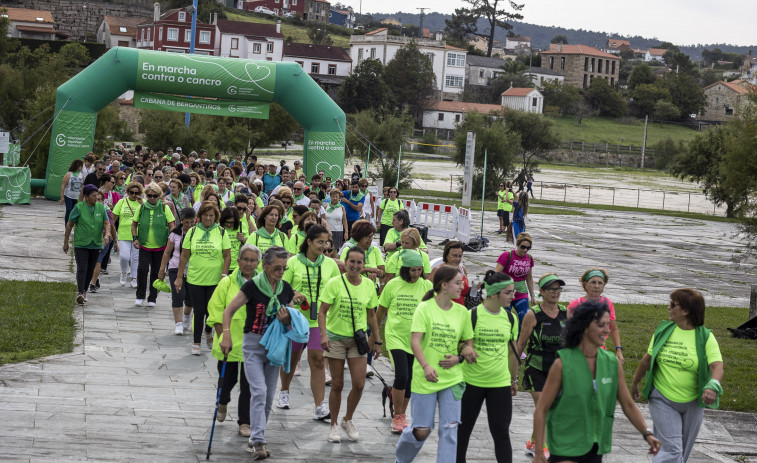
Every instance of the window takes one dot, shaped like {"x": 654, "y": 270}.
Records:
{"x": 360, "y": 54}
{"x": 551, "y": 62}
{"x": 481, "y": 74}
{"x": 187, "y": 35}
{"x": 173, "y": 34}
{"x": 256, "y": 48}
{"x": 121, "y": 29}
{"x": 315, "y": 68}
{"x": 453, "y": 81}
{"x": 728, "y": 111}
{"x": 123, "y": 43}
{"x": 332, "y": 69}
{"x": 455, "y": 59}
{"x": 591, "y": 68}
{"x": 204, "y": 36}
{"x": 301, "y": 63}
{"x": 441, "y": 116}
{"x": 235, "y": 43}
{"x": 562, "y": 63}
{"x": 613, "y": 68}
{"x": 457, "y": 118}
{"x": 431, "y": 57}
{"x": 585, "y": 79}
{"x": 182, "y": 16}
{"x": 160, "y": 33}
{"x": 142, "y": 34}
{"x": 534, "y": 102}
{"x": 294, "y": 2}
{"x": 599, "y": 66}
{"x": 373, "y": 53}
{"x": 586, "y": 64}
{"x": 148, "y": 35}
{"x": 269, "y": 47}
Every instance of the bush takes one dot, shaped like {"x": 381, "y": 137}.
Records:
{"x": 429, "y": 138}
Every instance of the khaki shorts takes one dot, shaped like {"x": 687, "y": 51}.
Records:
{"x": 343, "y": 349}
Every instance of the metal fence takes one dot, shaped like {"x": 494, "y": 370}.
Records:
{"x": 604, "y": 148}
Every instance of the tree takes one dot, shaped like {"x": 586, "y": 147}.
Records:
{"x": 494, "y": 13}
{"x": 410, "y": 77}
{"x": 460, "y": 27}
{"x": 605, "y": 99}
{"x": 364, "y": 88}
{"x": 110, "y": 128}
{"x": 205, "y": 8}
{"x": 707, "y": 77}
{"x": 536, "y": 137}
{"x": 684, "y": 91}
{"x": 665, "y": 111}
{"x": 679, "y": 62}
{"x": 559, "y": 38}
{"x": 646, "y": 96}
{"x": 319, "y": 35}
{"x": 564, "y": 97}
{"x": 640, "y": 74}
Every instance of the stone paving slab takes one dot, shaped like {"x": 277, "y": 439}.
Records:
{"x": 132, "y": 390}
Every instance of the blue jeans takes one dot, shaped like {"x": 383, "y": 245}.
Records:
{"x": 423, "y": 408}
{"x": 70, "y": 203}
{"x": 521, "y": 306}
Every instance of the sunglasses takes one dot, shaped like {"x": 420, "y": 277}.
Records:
{"x": 286, "y": 203}
{"x": 101, "y": 170}
{"x": 527, "y": 248}
{"x": 134, "y": 192}
{"x": 153, "y": 196}
{"x": 297, "y": 189}
{"x": 158, "y": 176}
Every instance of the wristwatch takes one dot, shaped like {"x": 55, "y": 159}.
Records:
{"x": 646, "y": 432}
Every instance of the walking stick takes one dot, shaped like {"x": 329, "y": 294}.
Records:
{"x": 218, "y": 402}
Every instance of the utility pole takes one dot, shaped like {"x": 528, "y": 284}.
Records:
{"x": 193, "y": 30}
{"x": 420, "y": 28}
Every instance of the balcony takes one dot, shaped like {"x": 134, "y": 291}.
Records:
{"x": 396, "y": 39}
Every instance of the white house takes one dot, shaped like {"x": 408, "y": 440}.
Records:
{"x": 511, "y": 43}
{"x": 240, "y": 39}
{"x": 539, "y": 75}
{"x": 481, "y": 70}
{"x": 529, "y": 100}
{"x": 448, "y": 62}
{"x": 119, "y": 32}
{"x": 319, "y": 60}
{"x": 654, "y": 54}
{"x": 445, "y": 115}
{"x": 30, "y": 24}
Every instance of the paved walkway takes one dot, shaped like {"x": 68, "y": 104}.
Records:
{"x": 131, "y": 390}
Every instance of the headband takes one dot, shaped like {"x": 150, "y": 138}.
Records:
{"x": 550, "y": 279}
{"x": 595, "y": 273}
{"x": 495, "y": 288}
{"x": 411, "y": 258}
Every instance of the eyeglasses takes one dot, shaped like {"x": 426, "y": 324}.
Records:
{"x": 101, "y": 170}
{"x": 153, "y": 196}
{"x": 286, "y": 203}
{"x": 554, "y": 290}
{"x": 525, "y": 248}
{"x": 132, "y": 192}
{"x": 279, "y": 268}
{"x": 510, "y": 291}
{"x": 297, "y": 189}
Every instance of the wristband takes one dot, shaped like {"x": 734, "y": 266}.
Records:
{"x": 618, "y": 347}
{"x": 379, "y": 343}
{"x": 460, "y": 359}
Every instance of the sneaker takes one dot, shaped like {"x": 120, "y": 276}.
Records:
{"x": 328, "y": 377}
{"x": 322, "y": 412}
{"x": 404, "y": 421}
{"x": 92, "y": 288}
{"x": 150, "y": 304}
{"x": 103, "y": 271}
{"x": 97, "y": 283}
{"x": 133, "y": 282}
{"x": 244, "y": 430}
{"x": 546, "y": 452}
{"x": 298, "y": 370}
{"x": 123, "y": 279}
{"x": 222, "y": 410}
{"x": 85, "y": 297}
{"x": 179, "y": 331}
{"x": 187, "y": 321}
{"x": 195, "y": 349}
{"x": 258, "y": 451}
{"x": 80, "y": 298}
{"x": 369, "y": 371}
{"x": 283, "y": 401}
{"x": 530, "y": 449}
{"x": 351, "y": 430}
{"x": 139, "y": 302}
{"x": 334, "y": 434}
{"x": 397, "y": 426}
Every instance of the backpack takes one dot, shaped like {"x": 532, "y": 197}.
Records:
{"x": 181, "y": 245}
{"x": 474, "y": 319}
{"x": 510, "y": 257}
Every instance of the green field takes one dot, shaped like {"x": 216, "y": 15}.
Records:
{"x": 299, "y": 34}
{"x": 617, "y": 131}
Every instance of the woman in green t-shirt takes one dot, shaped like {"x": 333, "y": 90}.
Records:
{"x": 504, "y": 193}
{"x": 361, "y": 236}
{"x": 387, "y": 208}
{"x": 304, "y": 221}
{"x": 206, "y": 253}
{"x": 400, "y": 223}
{"x": 238, "y": 232}
{"x": 126, "y": 209}
{"x": 268, "y": 233}
{"x": 398, "y": 302}
{"x": 348, "y": 304}
{"x": 438, "y": 327}
{"x": 494, "y": 376}
{"x": 410, "y": 239}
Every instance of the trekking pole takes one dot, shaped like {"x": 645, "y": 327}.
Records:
{"x": 218, "y": 402}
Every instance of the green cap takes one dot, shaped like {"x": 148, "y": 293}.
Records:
{"x": 549, "y": 279}
{"x": 411, "y": 258}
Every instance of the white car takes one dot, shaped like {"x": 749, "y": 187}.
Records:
{"x": 290, "y": 14}
{"x": 264, "y": 10}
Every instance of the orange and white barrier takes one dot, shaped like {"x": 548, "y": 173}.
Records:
{"x": 441, "y": 220}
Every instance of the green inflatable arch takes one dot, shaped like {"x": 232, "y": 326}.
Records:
{"x": 220, "y": 86}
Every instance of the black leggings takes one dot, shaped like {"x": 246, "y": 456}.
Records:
{"x": 149, "y": 262}
{"x": 590, "y": 457}
{"x": 86, "y": 259}
{"x": 403, "y": 370}
{"x": 499, "y": 410}
{"x": 200, "y": 296}
{"x": 229, "y": 381}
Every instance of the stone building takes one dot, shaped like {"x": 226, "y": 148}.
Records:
{"x": 581, "y": 64}
{"x": 725, "y": 100}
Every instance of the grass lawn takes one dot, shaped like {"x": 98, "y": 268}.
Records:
{"x": 606, "y": 130}
{"x": 299, "y": 34}
{"x": 37, "y": 320}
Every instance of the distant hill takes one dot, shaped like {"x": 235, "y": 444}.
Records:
{"x": 541, "y": 35}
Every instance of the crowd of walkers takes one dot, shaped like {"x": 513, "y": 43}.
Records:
{"x": 264, "y": 264}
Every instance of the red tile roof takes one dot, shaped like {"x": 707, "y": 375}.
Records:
{"x": 450, "y": 47}
{"x": 657, "y": 51}
{"x": 377, "y": 31}
{"x": 738, "y": 86}
{"x": 46, "y": 30}
{"x": 306, "y": 50}
{"x": 554, "y": 49}
{"x": 616, "y": 43}
{"x": 518, "y": 91}
{"x": 248, "y": 29}
{"x": 462, "y": 107}
{"x": 115, "y": 23}
{"x": 29, "y": 15}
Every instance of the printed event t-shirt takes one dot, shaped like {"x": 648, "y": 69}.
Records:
{"x": 373, "y": 257}
{"x": 442, "y": 330}
{"x": 297, "y": 276}
{"x": 151, "y": 240}
{"x": 517, "y": 269}
{"x": 401, "y": 298}
{"x": 244, "y": 229}
{"x": 339, "y": 316}
{"x": 491, "y": 339}
{"x": 206, "y": 259}
{"x": 394, "y": 263}
{"x": 392, "y": 236}
{"x": 676, "y": 365}
{"x": 389, "y": 207}
{"x": 126, "y": 210}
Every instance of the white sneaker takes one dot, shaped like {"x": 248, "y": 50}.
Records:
{"x": 150, "y": 304}
{"x": 139, "y": 302}
{"x": 133, "y": 282}
{"x": 179, "y": 329}
{"x": 369, "y": 371}
{"x": 298, "y": 370}
{"x": 351, "y": 430}
{"x": 187, "y": 322}
{"x": 334, "y": 434}
{"x": 195, "y": 349}
{"x": 283, "y": 401}
{"x": 322, "y": 412}
{"x": 123, "y": 279}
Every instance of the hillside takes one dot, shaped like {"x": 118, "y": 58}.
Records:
{"x": 297, "y": 33}
{"x": 541, "y": 35}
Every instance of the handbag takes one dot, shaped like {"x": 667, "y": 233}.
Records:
{"x": 361, "y": 340}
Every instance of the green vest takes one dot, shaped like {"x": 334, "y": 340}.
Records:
{"x": 89, "y": 226}
{"x": 159, "y": 224}
{"x": 584, "y": 412}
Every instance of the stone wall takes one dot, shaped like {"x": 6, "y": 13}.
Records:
{"x": 81, "y": 19}
{"x": 718, "y": 97}
{"x": 599, "y": 158}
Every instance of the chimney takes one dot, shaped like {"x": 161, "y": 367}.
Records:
{"x": 215, "y": 18}
{"x": 278, "y": 26}
{"x": 559, "y": 47}
{"x": 156, "y": 12}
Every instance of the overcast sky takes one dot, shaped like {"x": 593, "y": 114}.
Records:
{"x": 683, "y": 22}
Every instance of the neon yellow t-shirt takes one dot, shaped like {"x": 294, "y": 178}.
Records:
{"x": 339, "y": 316}
{"x": 373, "y": 257}
{"x": 297, "y": 276}
{"x": 260, "y": 202}
{"x": 279, "y": 239}
{"x": 676, "y": 365}
{"x": 235, "y": 243}
{"x": 388, "y": 208}
{"x": 151, "y": 240}
{"x": 206, "y": 258}
{"x": 502, "y": 203}
{"x": 125, "y": 210}
{"x": 223, "y": 294}
{"x": 392, "y": 236}
{"x": 491, "y": 339}
{"x": 394, "y": 263}
{"x": 295, "y": 241}
{"x": 442, "y": 330}
{"x": 401, "y": 298}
